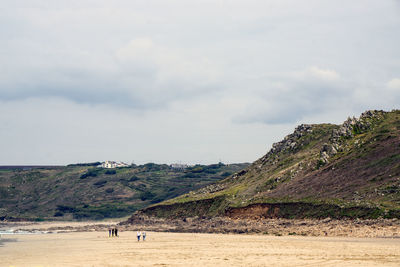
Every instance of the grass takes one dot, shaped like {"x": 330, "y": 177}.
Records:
{"x": 96, "y": 193}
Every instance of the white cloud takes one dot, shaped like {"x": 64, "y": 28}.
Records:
{"x": 172, "y": 73}
{"x": 293, "y": 96}
{"x": 140, "y": 75}
{"x": 394, "y": 84}
{"x": 318, "y": 73}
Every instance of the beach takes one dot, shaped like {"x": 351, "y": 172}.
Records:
{"x": 95, "y": 248}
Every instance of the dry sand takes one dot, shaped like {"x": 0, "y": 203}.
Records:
{"x": 186, "y": 249}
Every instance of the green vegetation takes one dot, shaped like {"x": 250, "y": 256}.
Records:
{"x": 84, "y": 191}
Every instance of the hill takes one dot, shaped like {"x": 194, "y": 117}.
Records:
{"x": 350, "y": 170}
{"x": 83, "y": 191}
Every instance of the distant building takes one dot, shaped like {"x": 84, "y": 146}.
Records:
{"x": 113, "y": 164}
{"x": 178, "y": 166}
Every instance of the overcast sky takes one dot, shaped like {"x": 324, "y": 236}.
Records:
{"x": 186, "y": 81}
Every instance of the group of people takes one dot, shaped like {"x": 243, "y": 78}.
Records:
{"x": 113, "y": 232}
{"x": 141, "y": 234}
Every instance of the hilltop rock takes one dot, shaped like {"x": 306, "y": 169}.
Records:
{"x": 349, "y": 128}
{"x": 355, "y": 126}
{"x": 290, "y": 141}
{"x": 289, "y": 144}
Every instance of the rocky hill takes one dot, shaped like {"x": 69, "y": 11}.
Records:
{"x": 350, "y": 170}
{"x": 83, "y": 191}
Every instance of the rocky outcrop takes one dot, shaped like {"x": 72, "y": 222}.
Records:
{"x": 294, "y": 141}
{"x": 354, "y": 126}
{"x": 350, "y": 128}
{"x": 290, "y": 141}
{"x": 327, "y": 151}
{"x": 212, "y": 188}
{"x": 289, "y": 144}
{"x": 238, "y": 174}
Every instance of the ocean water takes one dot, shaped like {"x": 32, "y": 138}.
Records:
{"x": 21, "y": 232}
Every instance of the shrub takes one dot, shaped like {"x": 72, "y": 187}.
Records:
{"x": 225, "y": 174}
{"x": 109, "y": 190}
{"x": 146, "y": 195}
{"x": 110, "y": 172}
{"x": 133, "y": 178}
{"x": 63, "y": 208}
{"x": 198, "y": 169}
{"x": 58, "y": 214}
{"x": 100, "y": 183}
{"x": 88, "y": 174}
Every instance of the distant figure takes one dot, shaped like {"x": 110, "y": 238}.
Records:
{"x": 109, "y": 232}
{"x": 138, "y": 235}
{"x": 116, "y": 232}
{"x": 144, "y": 235}
{"x": 112, "y": 232}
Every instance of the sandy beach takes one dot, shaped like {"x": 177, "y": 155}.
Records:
{"x": 186, "y": 249}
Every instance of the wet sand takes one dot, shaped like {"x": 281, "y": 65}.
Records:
{"x": 57, "y": 226}
{"x": 186, "y": 249}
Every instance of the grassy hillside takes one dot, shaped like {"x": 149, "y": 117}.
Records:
{"x": 82, "y": 191}
{"x": 325, "y": 170}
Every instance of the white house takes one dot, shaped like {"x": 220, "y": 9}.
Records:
{"x": 113, "y": 164}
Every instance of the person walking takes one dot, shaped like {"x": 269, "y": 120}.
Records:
{"x": 112, "y": 232}
{"x": 144, "y": 235}
{"x": 116, "y": 232}
{"x": 109, "y": 232}
{"x": 138, "y": 234}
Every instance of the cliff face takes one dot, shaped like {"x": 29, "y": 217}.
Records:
{"x": 320, "y": 170}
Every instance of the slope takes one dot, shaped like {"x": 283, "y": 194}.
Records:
{"x": 83, "y": 191}
{"x": 325, "y": 170}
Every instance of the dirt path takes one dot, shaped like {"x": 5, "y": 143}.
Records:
{"x": 185, "y": 249}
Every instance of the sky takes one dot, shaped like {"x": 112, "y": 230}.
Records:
{"x": 183, "y": 81}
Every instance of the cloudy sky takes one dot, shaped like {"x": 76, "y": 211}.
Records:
{"x": 186, "y": 81}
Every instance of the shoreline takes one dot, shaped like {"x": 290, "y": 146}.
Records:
{"x": 380, "y": 228}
